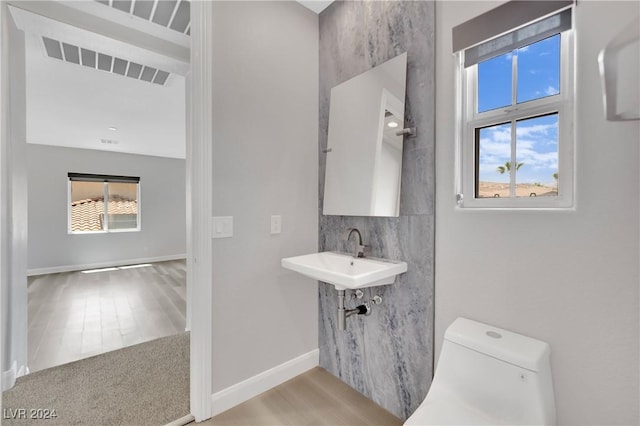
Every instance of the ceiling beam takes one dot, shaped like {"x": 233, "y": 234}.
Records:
{"x": 113, "y": 24}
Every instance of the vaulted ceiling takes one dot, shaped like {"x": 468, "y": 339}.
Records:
{"x": 171, "y": 14}
{"x": 109, "y": 74}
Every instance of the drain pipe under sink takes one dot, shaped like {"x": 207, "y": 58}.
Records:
{"x": 343, "y": 313}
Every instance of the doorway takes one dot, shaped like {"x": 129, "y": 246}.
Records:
{"x": 105, "y": 148}
{"x": 198, "y": 198}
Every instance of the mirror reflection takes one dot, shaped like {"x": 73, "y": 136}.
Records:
{"x": 364, "y": 150}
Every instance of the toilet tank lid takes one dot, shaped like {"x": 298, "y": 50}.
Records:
{"x": 505, "y": 345}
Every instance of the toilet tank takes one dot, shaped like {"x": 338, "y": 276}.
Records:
{"x": 503, "y": 375}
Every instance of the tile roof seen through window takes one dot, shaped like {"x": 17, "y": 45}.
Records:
{"x": 88, "y": 215}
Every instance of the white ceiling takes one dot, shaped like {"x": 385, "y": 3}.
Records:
{"x": 74, "y": 106}
{"x": 172, "y": 14}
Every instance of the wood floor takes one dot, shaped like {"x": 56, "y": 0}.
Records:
{"x": 75, "y": 315}
{"x": 313, "y": 398}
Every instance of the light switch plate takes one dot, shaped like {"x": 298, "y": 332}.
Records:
{"x": 276, "y": 224}
{"x": 222, "y": 226}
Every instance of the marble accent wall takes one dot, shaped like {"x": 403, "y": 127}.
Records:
{"x": 387, "y": 356}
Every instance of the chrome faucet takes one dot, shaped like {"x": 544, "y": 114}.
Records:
{"x": 359, "y": 252}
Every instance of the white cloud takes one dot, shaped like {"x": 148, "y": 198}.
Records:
{"x": 550, "y": 90}
{"x": 536, "y": 148}
{"x": 524, "y": 131}
{"x": 537, "y": 160}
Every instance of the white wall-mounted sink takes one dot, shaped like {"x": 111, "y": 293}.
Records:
{"x": 345, "y": 271}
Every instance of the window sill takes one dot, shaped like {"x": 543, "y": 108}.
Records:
{"x": 112, "y": 231}
{"x": 522, "y": 203}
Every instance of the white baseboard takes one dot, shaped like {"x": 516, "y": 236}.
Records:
{"x": 247, "y": 389}
{"x": 23, "y": 371}
{"x": 112, "y": 263}
{"x": 9, "y": 376}
{"x": 182, "y": 421}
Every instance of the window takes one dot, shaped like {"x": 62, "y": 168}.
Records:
{"x": 88, "y": 211}
{"x": 515, "y": 143}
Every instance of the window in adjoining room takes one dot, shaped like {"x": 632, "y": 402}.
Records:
{"x": 88, "y": 211}
{"x": 515, "y": 143}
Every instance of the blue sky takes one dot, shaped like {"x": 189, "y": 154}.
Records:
{"x": 536, "y": 138}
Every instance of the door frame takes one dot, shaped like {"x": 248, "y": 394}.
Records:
{"x": 199, "y": 100}
{"x": 199, "y": 182}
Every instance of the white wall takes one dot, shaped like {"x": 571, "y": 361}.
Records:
{"x": 566, "y": 277}
{"x": 265, "y": 162}
{"x": 162, "y": 205}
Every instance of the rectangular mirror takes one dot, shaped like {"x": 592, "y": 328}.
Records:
{"x": 364, "y": 152}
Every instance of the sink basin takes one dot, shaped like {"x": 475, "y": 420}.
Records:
{"x": 345, "y": 271}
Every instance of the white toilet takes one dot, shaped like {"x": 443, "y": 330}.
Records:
{"x": 489, "y": 376}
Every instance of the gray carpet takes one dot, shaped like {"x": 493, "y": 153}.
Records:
{"x": 145, "y": 384}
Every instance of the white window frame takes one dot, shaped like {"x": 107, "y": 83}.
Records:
{"x": 469, "y": 120}
{"x": 106, "y": 230}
